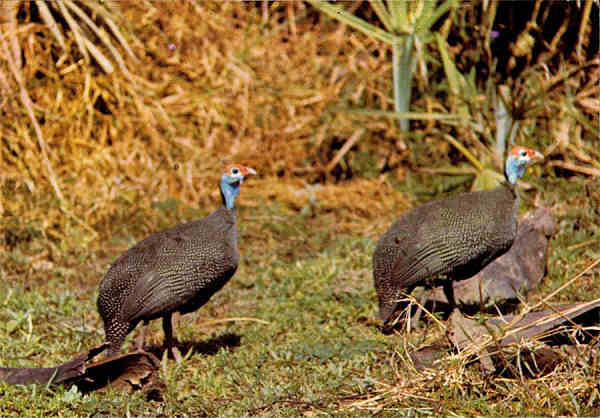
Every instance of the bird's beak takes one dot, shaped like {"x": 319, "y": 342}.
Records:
{"x": 537, "y": 156}
{"x": 246, "y": 171}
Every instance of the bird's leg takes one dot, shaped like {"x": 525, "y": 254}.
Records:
{"x": 140, "y": 339}
{"x": 449, "y": 292}
{"x": 169, "y": 340}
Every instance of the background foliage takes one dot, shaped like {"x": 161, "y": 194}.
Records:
{"x": 107, "y": 135}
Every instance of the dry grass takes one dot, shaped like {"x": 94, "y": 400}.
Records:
{"x": 205, "y": 94}
{"x": 197, "y": 102}
{"x": 91, "y": 161}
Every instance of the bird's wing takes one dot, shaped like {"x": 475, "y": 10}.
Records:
{"x": 161, "y": 286}
{"x": 154, "y": 294}
{"x": 417, "y": 261}
{"x": 168, "y": 288}
{"x": 447, "y": 249}
{"x": 437, "y": 247}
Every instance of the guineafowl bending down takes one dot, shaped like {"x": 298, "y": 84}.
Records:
{"x": 448, "y": 239}
{"x": 175, "y": 270}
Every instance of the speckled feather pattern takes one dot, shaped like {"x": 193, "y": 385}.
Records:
{"x": 449, "y": 239}
{"x": 175, "y": 270}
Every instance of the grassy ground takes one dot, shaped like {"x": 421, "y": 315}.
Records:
{"x": 293, "y": 332}
{"x": 304, "y": 340}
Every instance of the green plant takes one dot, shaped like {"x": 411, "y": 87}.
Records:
{"x": 408, "y": 26}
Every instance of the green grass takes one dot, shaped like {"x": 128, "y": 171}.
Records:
{"x": 308, "y": 343}
{"x": 276, "y": 86}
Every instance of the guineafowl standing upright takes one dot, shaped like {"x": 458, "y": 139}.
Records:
{"x": 175, "y": 270}
{"x": 448, "y": 239}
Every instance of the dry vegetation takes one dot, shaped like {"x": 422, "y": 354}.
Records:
{"x": 93, "y": 160}
{"x": 194, "y": 103}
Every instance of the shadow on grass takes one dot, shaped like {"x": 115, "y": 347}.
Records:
{"x": 210, "y": 347}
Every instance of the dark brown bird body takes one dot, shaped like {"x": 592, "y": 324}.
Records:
{"x": 448, "y": 239}
{"x": 175, "y": 270}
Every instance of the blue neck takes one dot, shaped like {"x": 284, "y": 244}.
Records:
{"x": 229, "y": 190}
{"x": 513, "y": 170}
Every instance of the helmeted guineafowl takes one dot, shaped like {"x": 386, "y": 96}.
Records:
{"x": 175, "y": 270}
{"x": 448, "y": 239}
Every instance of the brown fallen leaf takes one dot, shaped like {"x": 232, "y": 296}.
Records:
{"x": 128, "y": 372}
{"x": 427, "y": 357}
{"x": 55, "y": 375}
{"x": 488, "y": 338}
{"x": 514, "y": 328}
{"x": 526, "y": 362}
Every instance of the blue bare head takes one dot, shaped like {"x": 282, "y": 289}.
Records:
{"x": 231, "y": 179}
{"x": 518, "y": 160}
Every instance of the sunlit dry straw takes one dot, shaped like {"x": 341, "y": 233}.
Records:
{"x": 24, "y": 96}
{"x": 588, "y": 171}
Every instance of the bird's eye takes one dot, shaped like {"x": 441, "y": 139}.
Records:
{"x": 235, "y": 171}
{"x": 522, "y": 153}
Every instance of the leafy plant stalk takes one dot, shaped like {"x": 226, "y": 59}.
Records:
{"x": 405, "y": 23}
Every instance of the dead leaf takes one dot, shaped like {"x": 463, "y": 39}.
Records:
{"x": 128, "y": 372}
